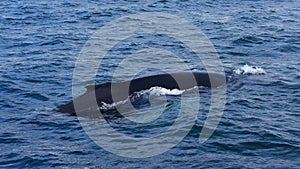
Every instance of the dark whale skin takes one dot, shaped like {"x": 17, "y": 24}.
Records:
{"x": 119, "y": 91}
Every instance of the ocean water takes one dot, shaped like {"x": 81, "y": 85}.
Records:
{"x": 41, "y": 40}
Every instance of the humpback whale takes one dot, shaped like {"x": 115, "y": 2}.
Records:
{"x": 118, "y": 91}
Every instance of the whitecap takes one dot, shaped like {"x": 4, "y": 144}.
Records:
{"x": 249, "y": 70}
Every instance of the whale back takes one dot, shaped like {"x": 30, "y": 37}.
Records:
{"x": 114, "y": 92}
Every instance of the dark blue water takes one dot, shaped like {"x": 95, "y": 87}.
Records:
{"x": 39, "y": 45}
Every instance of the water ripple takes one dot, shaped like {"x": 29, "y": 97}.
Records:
{"x": 39, "y": 44}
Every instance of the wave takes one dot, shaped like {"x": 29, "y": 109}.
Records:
{"x": 250, "y": 70}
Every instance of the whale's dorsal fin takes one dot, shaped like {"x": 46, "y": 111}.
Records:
{"x": 90, "y": 87}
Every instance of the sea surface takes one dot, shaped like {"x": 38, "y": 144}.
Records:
{"x": 40, "y": 42}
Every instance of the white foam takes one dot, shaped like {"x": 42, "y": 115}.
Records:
{"x": 249, "y": 70}
{"x": 157, "y": 91}
{"x": 107, "y": 106}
